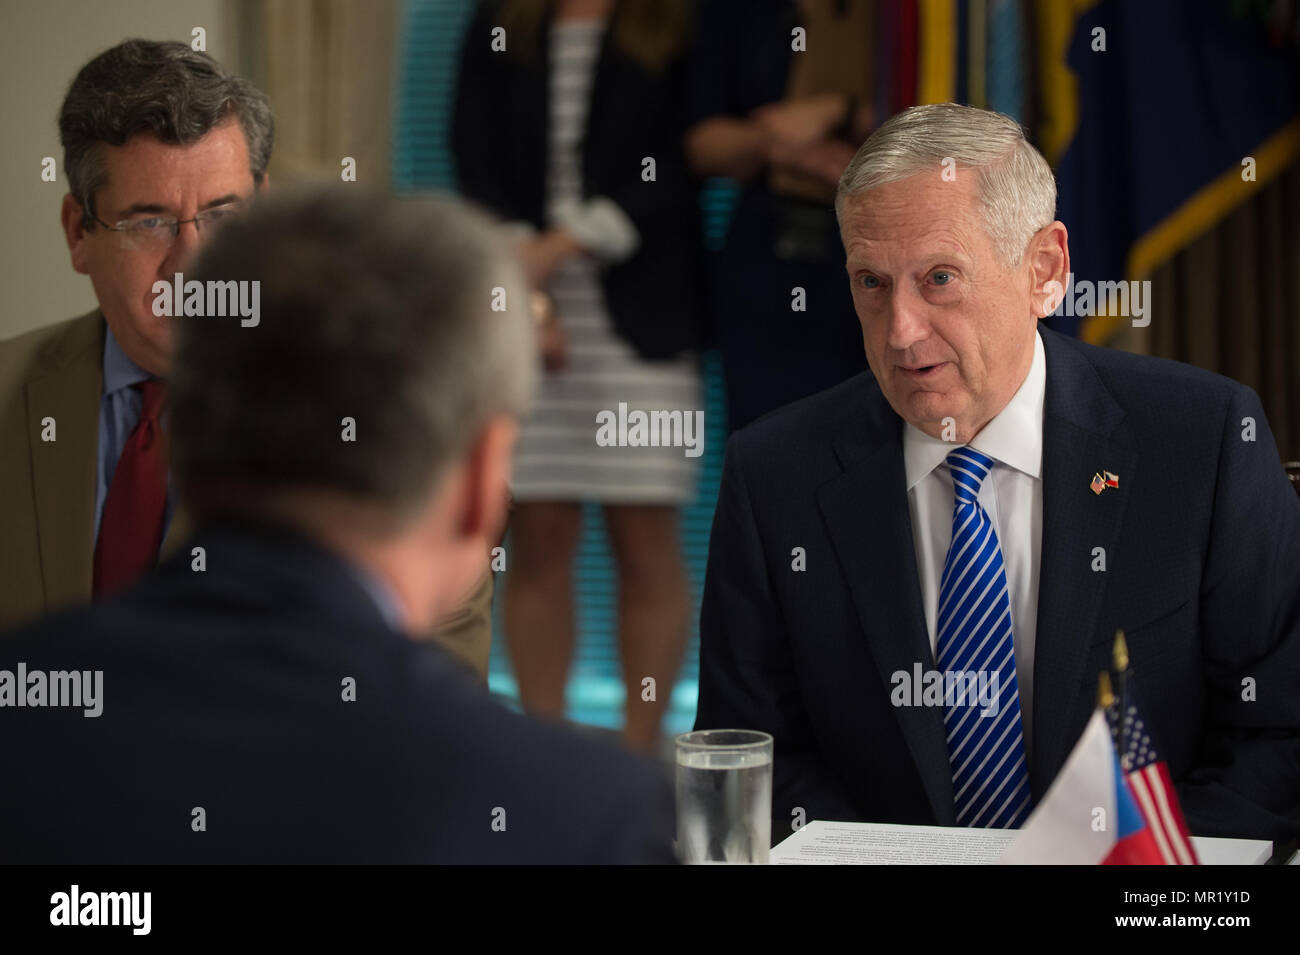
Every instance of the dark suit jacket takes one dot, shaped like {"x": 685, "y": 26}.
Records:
{"x": 500, "y": 139}
{"x": 224, "y": 689}
{"x": 1202, "y": 541}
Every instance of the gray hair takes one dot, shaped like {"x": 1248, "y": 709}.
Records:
{"x": 1016, "y": 188}
{"x": 165, "y": 88}
{"x": 372, "y": 307}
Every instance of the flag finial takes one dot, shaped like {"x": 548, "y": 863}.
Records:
{"x": 1105, "y": 698}
{"x": 1121, "y": 652}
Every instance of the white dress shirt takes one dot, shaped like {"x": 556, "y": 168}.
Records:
{"x": 1012, "y": 495}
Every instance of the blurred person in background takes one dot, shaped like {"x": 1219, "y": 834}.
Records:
{"x": 569, "y": 125}
{"x": 784, "y": 124}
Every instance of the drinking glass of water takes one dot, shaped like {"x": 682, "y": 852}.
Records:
{"x": 724, "y": 796}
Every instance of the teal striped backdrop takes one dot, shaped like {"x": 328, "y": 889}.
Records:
{"x": 432, "y": 32}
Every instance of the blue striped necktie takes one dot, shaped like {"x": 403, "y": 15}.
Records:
{"x": 990, "y": 778}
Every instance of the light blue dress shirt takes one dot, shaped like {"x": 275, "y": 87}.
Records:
{"x": 119, "y": 413}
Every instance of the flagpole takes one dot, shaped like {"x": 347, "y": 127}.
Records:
{"x": 1119, "y": 657}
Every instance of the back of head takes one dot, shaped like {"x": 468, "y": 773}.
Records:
{"x": 390, "y": 330}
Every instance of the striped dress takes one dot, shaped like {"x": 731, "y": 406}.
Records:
{"x": 558, "y": 458}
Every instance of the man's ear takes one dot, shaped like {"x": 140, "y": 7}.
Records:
{"x": 73, "y": 218}
{"x": 487, "y": 476}
{"x": 265, "y": 184}
{"x": 1049, "y": 268}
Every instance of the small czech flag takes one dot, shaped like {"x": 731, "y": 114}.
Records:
{"x": 1112, "y": 480}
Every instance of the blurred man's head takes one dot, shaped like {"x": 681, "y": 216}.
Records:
{"x": 374, "y": 405}
{"x": 947, "y": 216}
{"x": 154, "y": 133}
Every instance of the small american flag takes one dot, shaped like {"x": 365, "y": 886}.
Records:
{"x": 1097, "y": 485}
{"x": 1148, "y": 777}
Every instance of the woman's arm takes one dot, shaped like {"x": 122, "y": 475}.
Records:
{"x": 727, "y": 146}
{"x": 789, "y": 132}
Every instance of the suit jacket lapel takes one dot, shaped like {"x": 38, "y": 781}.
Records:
{"x": 1081, "y": 436}
{"x": 875, "y": 547}
{"x": 66, "y": 387}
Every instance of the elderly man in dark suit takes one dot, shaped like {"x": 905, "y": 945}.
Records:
{"x": 264, "y": 696}
{"x": 994, "y": 501}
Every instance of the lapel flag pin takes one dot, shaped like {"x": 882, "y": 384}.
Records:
{"x": 1097, "y": 485}
{"x": 1112, "y": 480}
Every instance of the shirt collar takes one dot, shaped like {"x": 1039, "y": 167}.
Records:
{"x": 1014, "y": 436}
{"x": 119, "y": 371}
{"x": 383, "y": 595}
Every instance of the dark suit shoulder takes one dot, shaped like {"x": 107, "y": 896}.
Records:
{"x": 1151, "y": 379}
{"x": 585, "y": 798}
{"x": 810, "y": 422}
{"x": 368, "y": 746}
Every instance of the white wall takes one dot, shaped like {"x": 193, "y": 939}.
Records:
{"x": 42, "y": 45}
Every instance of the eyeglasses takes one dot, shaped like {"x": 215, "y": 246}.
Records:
{"x": 154, "y": 232}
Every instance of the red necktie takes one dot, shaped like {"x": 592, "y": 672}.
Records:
{"x": 131, "y": 527}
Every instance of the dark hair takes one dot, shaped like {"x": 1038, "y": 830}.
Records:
{"x": 372, "y": 307}
{"x": 165, "y": 88}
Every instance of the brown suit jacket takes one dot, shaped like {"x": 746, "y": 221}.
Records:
{"x": 51, "y": 378}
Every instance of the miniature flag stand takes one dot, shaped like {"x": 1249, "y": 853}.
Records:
{"x": 1113, "y": 802}
{"x": 1147, "y": 774}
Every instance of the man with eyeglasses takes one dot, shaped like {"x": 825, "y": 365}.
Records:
{"x": 161, "y": 146}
